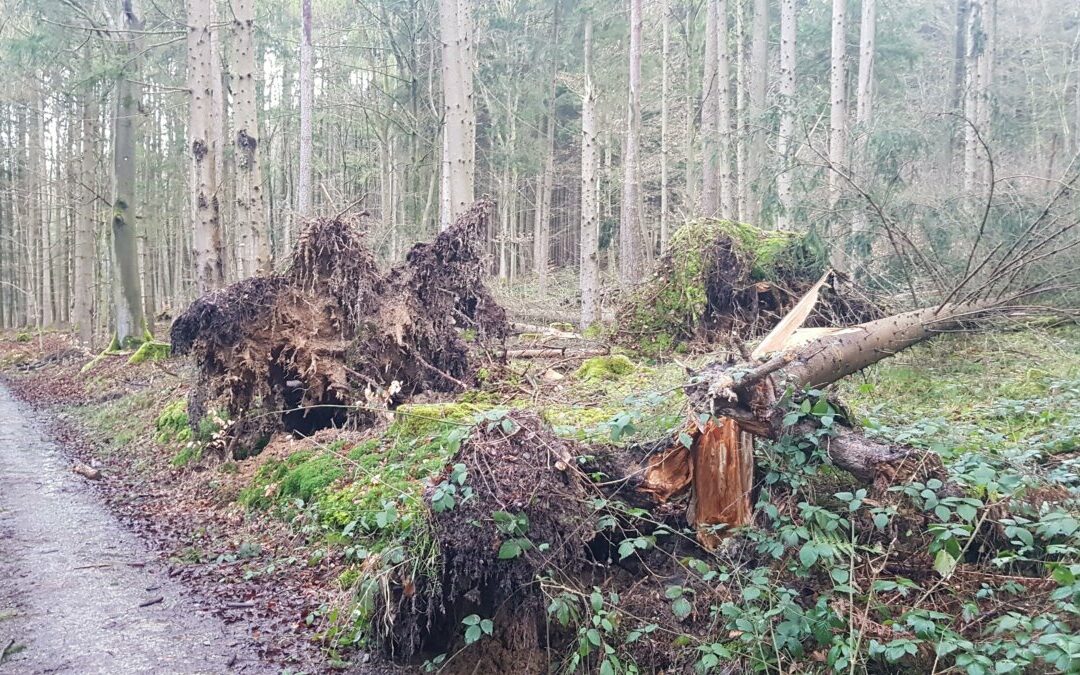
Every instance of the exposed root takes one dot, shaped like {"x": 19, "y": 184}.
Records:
{"x": 333, "y": 338}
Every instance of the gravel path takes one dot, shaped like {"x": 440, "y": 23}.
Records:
{"x": 79, "y": 593}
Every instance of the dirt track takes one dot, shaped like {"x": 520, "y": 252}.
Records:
{"x": 80, "y": 593}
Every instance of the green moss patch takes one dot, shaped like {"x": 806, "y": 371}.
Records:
{"x": 605, "y": 367}
{"x": 151, "y": 350}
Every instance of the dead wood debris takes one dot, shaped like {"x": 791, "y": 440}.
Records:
{"x": 318, "y": 345}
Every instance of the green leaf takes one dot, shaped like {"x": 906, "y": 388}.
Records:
{"x": 820, "y": 408}
{"x": 626, "y": 548}
{"x": 681, "y": 608}
{"x": 472, "y": 634}
{"x": 966, "y": 512}
{"x": 686, "y": 440}
{"x": 593, "y": 636}
{"x": 808, "y": 554}
{"x": 944, "y": 563}
{"x": 510, "y": 549}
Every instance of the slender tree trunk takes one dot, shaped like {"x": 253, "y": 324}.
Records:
{"x": 304, "y": 188}
{"x": 590, "y": 207}
{"x": 742, "y": 112}
{"x": 130, "y": 323}
{"x": 690, "y": 197}
{"x": 726, "y": 120}
{"x": 864, "y": 104}
{"x": 250, "y": 219}
{"x": 975, "y": 93}
{"x": 956, "y": 91}
{"x": 665, "y": 59}
{"x": 710, "y": 110}
{"x": 205, "y": 209}
{"x": 785, "y": 142}
{"x": 759, "y": 62}
{"x": 84, "y": 222}
{"x": 631, "y": 242}
{"x": 459, "y": 118}
{"x": 838, "y": 130}
{"x": 542, "y": 235}
{"x": 35, "y": 211}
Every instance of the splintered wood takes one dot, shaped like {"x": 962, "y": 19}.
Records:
{"x": 718, "y": 466}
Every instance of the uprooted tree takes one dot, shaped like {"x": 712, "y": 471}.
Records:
{"x": 333, "y": 340}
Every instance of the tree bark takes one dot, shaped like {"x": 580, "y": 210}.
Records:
{"x": 838, "y": 129}
{"x": 83, "y": 262}
{"x": 205, "y": 208}
{"x": 725, "y": 119}
{"x": 304, "y": 178}
{"x": 631, "y": 243}
{"x": 785, "y": 142}
{"x": 864, "y": 103}
{"x": 590, "y": 206}
{"x": 742, "y": 112}
{"x": 249, "y": 197}
{"x": 665, "y": 58}
{"x": 710, "y": 110}
{"x": 759, "y": 62}
{"x": 128, "y": 316}
{"x": 459, "y": 118}
{"x": 542, "y": 233}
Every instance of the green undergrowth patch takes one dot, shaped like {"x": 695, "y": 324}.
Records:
{"x": 125, "y": 423}
{"x": 998, "y": 393}
{"x": 366, "y": 501}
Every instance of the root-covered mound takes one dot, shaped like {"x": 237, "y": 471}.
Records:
{"x": 730, "y": 281}
{"x": 511, "y": 508}
{"x": 323, "y": 343}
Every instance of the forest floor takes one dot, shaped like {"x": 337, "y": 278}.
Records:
{"x": 265, "y": 547}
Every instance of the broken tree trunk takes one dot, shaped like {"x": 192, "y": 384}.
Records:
{"x": 734, "y": 402}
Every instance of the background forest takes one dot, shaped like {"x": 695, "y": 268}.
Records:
{"x": 600, "y": 125}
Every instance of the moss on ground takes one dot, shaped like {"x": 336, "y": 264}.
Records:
{"x": 605, "y": 367}
{"x": 151, "y": 350}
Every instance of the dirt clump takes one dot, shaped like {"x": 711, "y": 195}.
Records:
{"x": 333, "y": 339}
